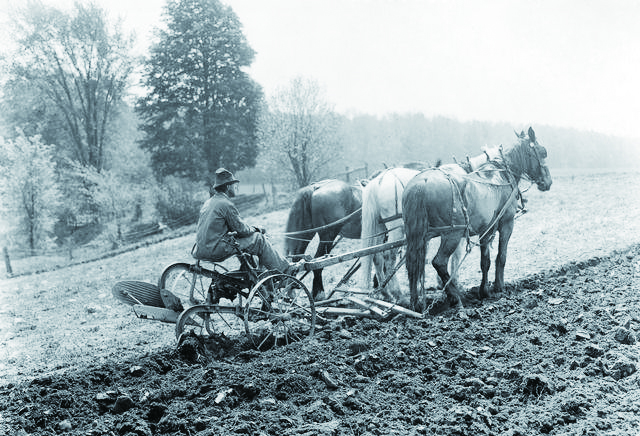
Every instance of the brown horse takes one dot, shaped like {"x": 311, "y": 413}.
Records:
{"x": 328, "y": 208}
{"x": 453, "y": 206}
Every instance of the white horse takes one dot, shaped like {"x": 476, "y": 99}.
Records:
{"x": 382, "y": 221}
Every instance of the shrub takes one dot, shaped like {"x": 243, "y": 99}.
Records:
{"x": 179, "y": 201}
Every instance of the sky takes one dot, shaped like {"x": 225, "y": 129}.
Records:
{"x": 569, "y": 63}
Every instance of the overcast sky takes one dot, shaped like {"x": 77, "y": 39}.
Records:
{"x": 573, "y": 63}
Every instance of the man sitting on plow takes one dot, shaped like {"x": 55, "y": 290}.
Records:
{"x": 219, "y": 216}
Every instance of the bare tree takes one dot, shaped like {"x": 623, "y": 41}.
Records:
{"x": 78, "y": 65}
{"x": 298, "y": 133}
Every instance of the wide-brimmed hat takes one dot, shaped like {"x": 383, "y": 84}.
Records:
{"x": 224, "y": 177}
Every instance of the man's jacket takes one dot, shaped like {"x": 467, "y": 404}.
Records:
{"x": 218, "y": 216}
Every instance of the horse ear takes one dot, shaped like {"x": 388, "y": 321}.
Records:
{"x": 532, "y": 135}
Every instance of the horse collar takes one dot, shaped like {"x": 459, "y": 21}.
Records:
{"x": 512, "y": 181}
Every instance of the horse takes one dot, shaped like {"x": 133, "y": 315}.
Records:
{"x": 454, "y": 206}
{"x": 382, "y": 218}
{"x": 328, "y": 208}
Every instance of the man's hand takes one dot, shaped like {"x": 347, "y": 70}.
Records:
{"x": 259, "y": 229}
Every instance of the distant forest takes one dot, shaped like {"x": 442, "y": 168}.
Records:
{"x": 403, "y": 138}
{"x": 394, "y": 140}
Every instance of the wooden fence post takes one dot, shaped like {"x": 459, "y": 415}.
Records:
{"x": 7, "y": 261}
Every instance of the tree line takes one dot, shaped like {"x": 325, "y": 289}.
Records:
{"x": 80, "y": 149}
{"x": 83, "y": 156}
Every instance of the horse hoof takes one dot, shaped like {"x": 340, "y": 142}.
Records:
{"x": 320, "y": 297}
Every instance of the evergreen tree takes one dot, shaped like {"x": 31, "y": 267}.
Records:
{"x": 201, "y": 109}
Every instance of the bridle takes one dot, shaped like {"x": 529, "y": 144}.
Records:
{"x": 531, "y": 148}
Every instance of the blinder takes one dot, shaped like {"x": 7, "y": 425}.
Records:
{"x": 542, "y": 168}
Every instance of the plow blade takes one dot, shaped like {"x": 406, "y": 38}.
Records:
{"x": 135, "y": 292}
{"x": 155, "y": 313}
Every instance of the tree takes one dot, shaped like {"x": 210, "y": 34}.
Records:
{"x": 66, "y": 78}
{"x": 201, "y": 110}
{"x": 29, "y": 190}
{"x": 299, "y": 133}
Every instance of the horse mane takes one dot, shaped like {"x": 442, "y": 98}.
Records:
{"x": 416, "y": 165}
{"x": 515, "y": 154}
{"x": 299, "y": 215}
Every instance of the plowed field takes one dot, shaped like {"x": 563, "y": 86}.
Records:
{"x": 557, "y": 353}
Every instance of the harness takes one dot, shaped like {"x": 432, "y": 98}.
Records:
{"x": 515, "y": 194}
{"x": 398, "y": 214}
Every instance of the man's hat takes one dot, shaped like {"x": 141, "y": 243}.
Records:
{"x": 224, "y": 177}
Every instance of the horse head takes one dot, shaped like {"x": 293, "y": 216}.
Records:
{"x": 531, "y": 159}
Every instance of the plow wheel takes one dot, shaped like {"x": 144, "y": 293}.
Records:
{"x": 279, "y": 311}
{"x": 184, "y": 281}
{"x": 210, "y": 321}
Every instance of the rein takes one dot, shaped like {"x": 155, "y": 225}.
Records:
{"x": 321, "y": 228}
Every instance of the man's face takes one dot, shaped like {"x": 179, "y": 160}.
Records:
{"x": 232, "y": 190}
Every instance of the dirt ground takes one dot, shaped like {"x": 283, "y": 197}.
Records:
{"x": 557, "y": 354}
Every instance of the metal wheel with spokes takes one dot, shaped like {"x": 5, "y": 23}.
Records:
{"x": 185, "y": 282}
{"x": 279, "y": 311}
{"x": 209, "y": 321}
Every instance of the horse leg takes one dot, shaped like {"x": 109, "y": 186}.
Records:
{"x": 440, "y": 262}
{"x": 324, "y": 247}
{"x": 391, "y": 258}
{"x": 485, "y": 264}
{"x": 455, "y": 261}
{"x": 379, "y": 263}
{"x": 385, "y": 263}
{"x": 501, "y": 259}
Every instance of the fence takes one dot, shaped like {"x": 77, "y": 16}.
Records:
{"x": 354, "y": 174}
{"x": 19, "y": 262}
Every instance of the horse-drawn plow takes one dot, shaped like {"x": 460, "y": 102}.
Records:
{"x": 275, "y": 308}
{"x": 268, "y": 307}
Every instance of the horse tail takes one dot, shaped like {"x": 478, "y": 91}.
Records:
{"x": 372, "y": 229}
{"x": 416, "y": 227}
{"x": 299, "y": 219}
